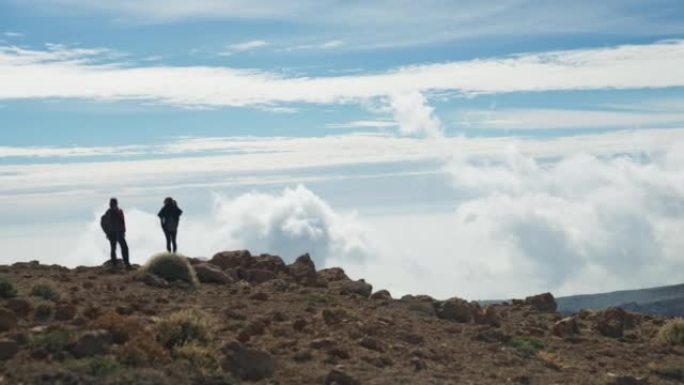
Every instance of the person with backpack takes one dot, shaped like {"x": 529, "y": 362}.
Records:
{"x": 169, "y": 215}
{"x": 114, "y": 226}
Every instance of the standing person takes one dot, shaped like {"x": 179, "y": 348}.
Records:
{"x": 114, "y": 226}
{"x": 169, "y": 215}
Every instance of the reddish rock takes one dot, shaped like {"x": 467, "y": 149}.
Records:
{"x": 455, "y": 309}
{"x": 7, "y": 319}
{"x": 542, "y": 302}
{"x": 8, "y": 348}
{"x": 381, "y": 295}
{"x": 613, "y": 321}
{"x": 566, "y": 328}
{"x": 232, "y": 259}
{"x": 337, "y": 377}
{"x": 257, "y": 275}
{"x": 65, "y": 312}
{"x": 360, "y": 287}
{"x": 333, "y": 274}
{"x": 269, "y": 262}
{"x": 246, "y": 363}
{"x": 210, "y": 273}
{"x": 303, "y": 271}
{"x": 21, "y": 307}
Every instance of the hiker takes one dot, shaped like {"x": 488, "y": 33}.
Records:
{"x": 169, "y": 215}
{"x": 114, "y": 226}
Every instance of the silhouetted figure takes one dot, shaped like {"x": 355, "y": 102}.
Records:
{"x": 169, "y": 215}
{"x": 114, "y": 226}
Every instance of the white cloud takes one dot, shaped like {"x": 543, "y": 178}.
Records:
{"x": 583, "y": 223}
{"x": 52, "y": 73}
{"x": 364, "y": 124}
{"x": 530, "y": 119}
{"x": 12, "y": 34}
{"x": 243, "y": 47}
{"x": 414, "y": 116}
{"x": 288, "y": 224}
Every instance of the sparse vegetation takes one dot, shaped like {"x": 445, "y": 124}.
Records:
{"x": 183, "y": 327}
{"x": 7, "y": 289}
{"x": 54, "y": 341}
{"x": 171, "y": 267}
{"x": 121, "y": 327}
{"x": 672, "y": 333}
{"x": 201, "y": 357}
{"x": 99, "y": 365}
{"x": 141, "y": 351}
{"x": 527, "y": 346}
{"x": 43, "y": 312}
{"x": 45, "y": 291}
{"x": 674, "y": 372}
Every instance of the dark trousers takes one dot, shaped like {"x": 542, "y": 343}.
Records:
{"x": 120, "y": 238}
{"x": 170, "y": 240}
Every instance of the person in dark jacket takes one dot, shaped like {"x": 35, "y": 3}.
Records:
{"x": 114, "y": 226}
{"x": 169, "y": 215}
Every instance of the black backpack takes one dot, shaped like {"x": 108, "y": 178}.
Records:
{"x": 106, "y": 223}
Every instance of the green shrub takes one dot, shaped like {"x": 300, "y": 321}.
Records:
{"x": 183, "y": 327}
{"x": 43, "y": 312}
{"x": 672, "y": 333}
{"x": 54, "y": 341}
{"x": 101, "y": 365}
{"x": 45, "y": 291}
{"x": 527, "y": 346}
{"x": 7, "y": 289}
{"x": 203, "y": 358}
{"x": 673, "y": 372}
{"x": 171, "y": 267}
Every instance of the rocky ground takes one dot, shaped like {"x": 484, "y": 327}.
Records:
{"x": 257, "y": 320}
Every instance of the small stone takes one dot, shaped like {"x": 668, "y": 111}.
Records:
{"x": 338, "y": 377}
{"x": 7, "y": 319}
{"x": 259, "y": 296}
{"x": 322, "y": 343}
{"x": 372, "y": 344}
{"x": 8, "y": 348}
{"x": 155, "y": 281}
{"x": 303, "y": 356}
{"x": 418, "y": 364}
{"x": 21, "y": 307}
{"x": 92, "y": 343}
{"x": 65, "y": 312}
{"x": 333, "y": 316}
{"x": 246, "y": 363}
{"x": 299, "y": 324}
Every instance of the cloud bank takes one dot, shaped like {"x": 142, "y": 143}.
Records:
{"x": 288, "y": 224}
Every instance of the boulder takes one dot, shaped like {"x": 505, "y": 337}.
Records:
{"x": 381, "y": 295}
{"x": 8, "y": 348}
{"x": 246, "y": 363}
{"x": 65, "y": 312}
{"x": 7, "y": 319}
{"x": 269, "y": 262}
{"x": 372, "y": 344}
{"x": 455, "y": 309}
{"x": 613, "y": 321}
{"x": 566, "y": 328}
{"x": 155, "y": 281}
{"x": 421, "y": 304}
{"x": 333, "y": 274}
{"x": 210, "y": 273}
{"x": 92, "y": 343}
{"x": 257, "y": 275}
{"x": 544, "y": 303}
{"x": 360, "y": 287}
{"x": 232, "y": 259}
{"x": 303, "y": 271}
{"x": 338, "y": 377}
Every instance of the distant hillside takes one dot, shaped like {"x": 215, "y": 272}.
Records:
{"x": 664, "y": 300}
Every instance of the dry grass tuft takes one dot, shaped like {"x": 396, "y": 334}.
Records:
{"x": 171, "y": 267}
{"x": 672, "y": 333}
{"x": 184, "y": 327}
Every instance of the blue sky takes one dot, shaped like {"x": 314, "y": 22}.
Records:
{"x": 353, "y": 122}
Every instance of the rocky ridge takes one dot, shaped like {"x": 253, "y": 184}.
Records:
{"x": 256, "y": 319}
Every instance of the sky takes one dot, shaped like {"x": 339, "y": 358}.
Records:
{"x": 452, "y": 148}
